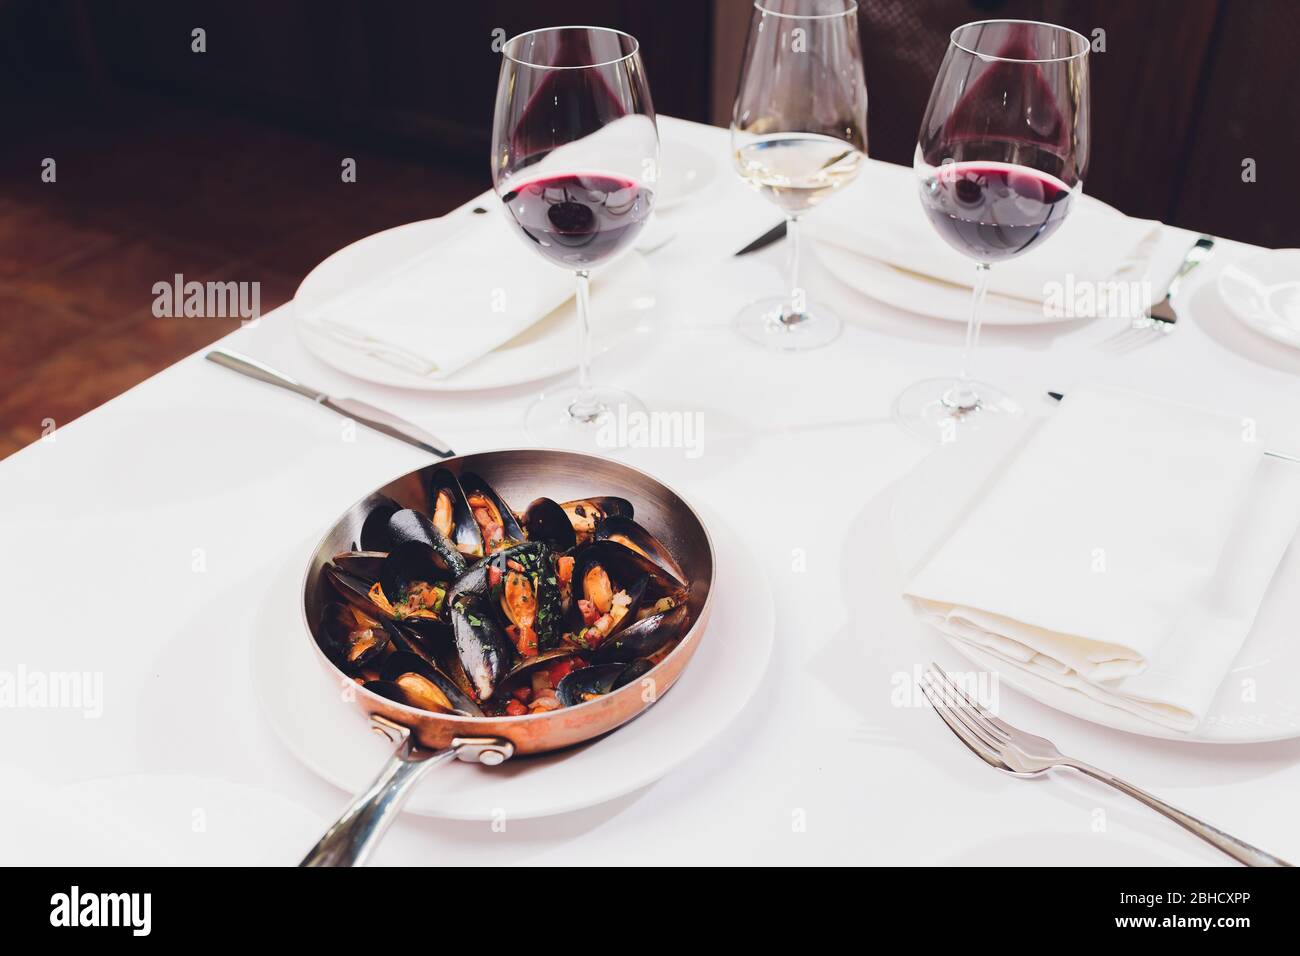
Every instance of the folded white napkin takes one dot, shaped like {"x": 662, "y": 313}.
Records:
{"x": 1121, "y": 548}
{"x": 439, "y": 311}
{"x": 879, "y": 215}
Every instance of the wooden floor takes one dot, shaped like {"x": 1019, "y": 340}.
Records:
{"x": 151, "y": 191}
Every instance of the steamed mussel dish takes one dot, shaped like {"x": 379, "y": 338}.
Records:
{"x": 479, "y": 610}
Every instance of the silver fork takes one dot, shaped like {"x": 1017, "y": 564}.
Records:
{"x": 1022, "y": 754}
{"x": 1161, "y": 317}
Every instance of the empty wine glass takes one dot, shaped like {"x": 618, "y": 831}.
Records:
{"x": 798, "y": 134}
{"x": 1000, "y": 158}
{"x": 575, "y": 155}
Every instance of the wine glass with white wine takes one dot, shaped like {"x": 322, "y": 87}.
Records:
{"x": 798, "y": 134}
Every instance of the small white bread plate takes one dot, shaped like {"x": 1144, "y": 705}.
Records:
{"x": 1263, "y": 291}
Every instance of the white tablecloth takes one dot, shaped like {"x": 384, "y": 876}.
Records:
{"x": 142, "y": 541}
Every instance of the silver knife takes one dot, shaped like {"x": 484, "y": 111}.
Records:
{"x": 366, "y": 414}
{"x": 775, "y": 234}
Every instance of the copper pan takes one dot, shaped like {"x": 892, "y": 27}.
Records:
{"x": 425, "y": 739}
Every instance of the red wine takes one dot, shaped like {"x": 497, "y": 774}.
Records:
{"x": 993, "y": 211}
{"x": 579, "y": 220}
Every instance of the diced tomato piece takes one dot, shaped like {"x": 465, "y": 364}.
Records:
{"x": 590, "y": 613}
{"x": 514, "y": 565}
{"x": 516, "y": 709}
{"x": 561, "y": 670}
{"x": 564, "y": 568}
{"x": 522, "y": 693}
{"x": 494, "y": 575}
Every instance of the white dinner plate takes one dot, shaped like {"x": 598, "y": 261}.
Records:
{"x": 1258, "y": 701}
{"x": 1263, "y": 291}
{"x": 684, "y": 170}
{"x": 333, "y": 737}
{"x": 924, "y": 295}
{"x": 622, "y": 306}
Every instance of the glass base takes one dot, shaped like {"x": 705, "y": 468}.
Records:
{"x": 564, "y": 418}
{"x": 938, "y": 410}
{"x": 762, "y": 322}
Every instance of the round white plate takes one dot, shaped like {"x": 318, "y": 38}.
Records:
{"x": 1270, "y": 658}
{"x": 683, "y": 171}
{"x": 1263, "y": 291}
{"x": 622, "y": 305}
{"x": 913, "y": 292}
{"x": 334, "y": 740}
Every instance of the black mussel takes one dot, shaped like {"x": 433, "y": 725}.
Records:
{"x": 358, "y": 592}
{"x": 481, "y": 645}
{"x": 374, "y": 530}
{"x": 524, "y": 668}
{"x": 625, "y": 564}
{"x": 547, "y": 522}
{"x": 351, "y": 637}
{"x": 409, "y": 525}
{"x": 413, "y": 583}
{"x": 633, "y": 672}
{"x": 588, "y": 683}
{"x": 426, "y": 638}
{"x": 522, "y": 586}
{"x": 631, "y": 535}
{"x": 426, "y": 687}
{"x": 585, "y": 513}
{"x": 361, "y": 564}
{"x": 643, "y": 638}
{"x": 495, "y": 520}
{"x": 613, "y": 594}
{"x": 386, "y": 688}
{"x": 451, "y": 514}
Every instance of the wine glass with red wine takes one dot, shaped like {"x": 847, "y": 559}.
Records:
{"x": 575, "y": 155}
{"x": 1000, "y": 158}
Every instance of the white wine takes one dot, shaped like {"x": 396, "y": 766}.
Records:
{"x": 797, "y": 170}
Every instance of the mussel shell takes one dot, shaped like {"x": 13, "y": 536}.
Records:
{"x": 624, "y": 575}
{"x": 547, "y": 522}
{"x": 524, "y": 668}
{"x": 536, "y": 560}
{"x": 624, "y": 564}
{"x": 411, "y": 561}
{"x": 409, "y": 525}
{"x": 361, "y": 564}
{"x": 642, "y": 638}
{"x": 473, "y": 483}
{"x": 481, "y": 646}
{"x": 400, "y": 663}
{"x": 374, "y": 530}
{"x": 354, "y": 591}
{"x": 628, "y": 533}
{"x": 585, "y": 513}
{"x": 465, "y": 533}
{"x": 596, "y": 680}
{"x": 337, "y": 623}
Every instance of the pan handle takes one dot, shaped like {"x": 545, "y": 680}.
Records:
{"x": 358, "y": 831}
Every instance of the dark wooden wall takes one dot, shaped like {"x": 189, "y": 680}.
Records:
{"x": 1185, "y": 91}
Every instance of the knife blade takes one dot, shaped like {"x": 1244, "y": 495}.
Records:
{"x": 376, "y": 418}
{"x": 775, "y": 234}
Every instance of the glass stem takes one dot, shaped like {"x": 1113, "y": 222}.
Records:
{"x": 797, "y": 310}
{"x": 961, "y": 395}
{"x": 585, "y": 407}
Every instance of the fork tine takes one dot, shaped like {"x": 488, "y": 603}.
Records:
{"x": 976, "y": 746}
{"x": 969, "y": 720}
{"x": 1003, "y": 729}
